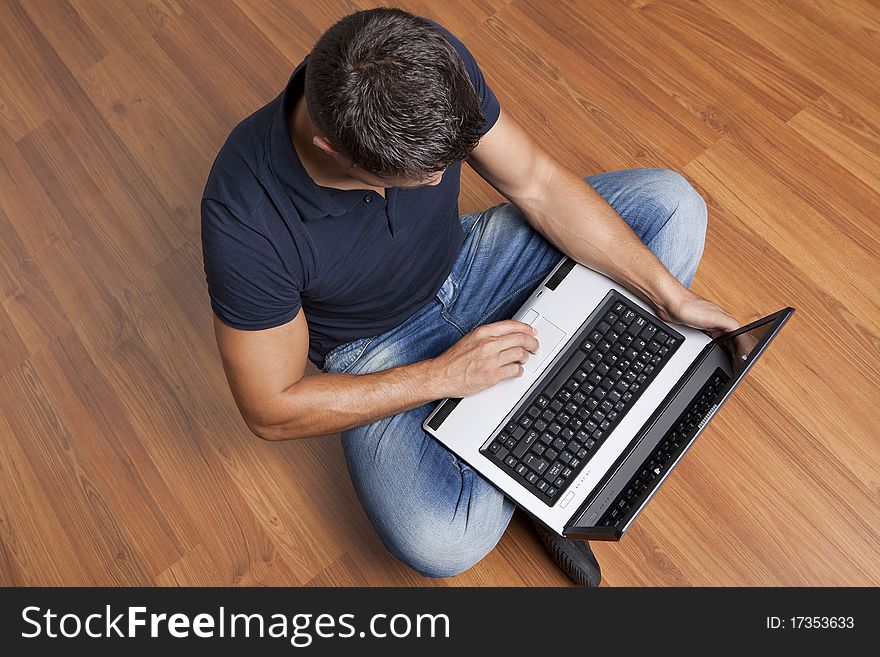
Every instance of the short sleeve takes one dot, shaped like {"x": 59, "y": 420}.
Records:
{"x": 489, "y": 105}
{"x": 249, "y": 286}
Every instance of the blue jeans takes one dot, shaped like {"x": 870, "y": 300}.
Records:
{"x": 431, "y": 511}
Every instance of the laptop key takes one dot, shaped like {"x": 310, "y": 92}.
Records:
{"x": 525, "y": 443}
{"x": 536, "y": 463}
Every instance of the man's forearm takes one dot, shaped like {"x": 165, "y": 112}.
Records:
{"x": 581, "y": 224}
{"x": 329, "y": 403}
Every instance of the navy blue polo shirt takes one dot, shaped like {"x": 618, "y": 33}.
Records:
{"x": 274, "y": 241}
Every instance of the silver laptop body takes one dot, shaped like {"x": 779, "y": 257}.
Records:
{"x": 563, "y": 308}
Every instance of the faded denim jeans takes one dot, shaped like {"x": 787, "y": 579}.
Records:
{"x": 431, "y": 511}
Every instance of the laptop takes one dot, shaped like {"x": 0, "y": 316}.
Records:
{"x": 606, "y": 408}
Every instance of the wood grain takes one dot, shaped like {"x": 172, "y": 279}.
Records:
{"x": 123, "y": 459}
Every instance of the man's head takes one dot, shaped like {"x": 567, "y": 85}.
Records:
{"x": 391, "y": 98}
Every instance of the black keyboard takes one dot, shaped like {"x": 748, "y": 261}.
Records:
{"x": 667, "y": 451}
{"x": 557, "y": 428}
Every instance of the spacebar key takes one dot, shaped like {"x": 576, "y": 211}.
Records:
{"x": 563, "y": 375}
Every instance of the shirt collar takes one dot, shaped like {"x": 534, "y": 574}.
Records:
{"x": 311, "y": 200}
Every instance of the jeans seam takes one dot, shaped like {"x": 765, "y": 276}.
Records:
{"x": 509, "y": 296}
{"x": 458, "y": 282}
{"x": 449, "y": 319}
{"x": 485, "y": 215}
{"x": 357, "y": 356}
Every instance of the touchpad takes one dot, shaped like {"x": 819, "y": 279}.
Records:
{"x": 549, "y": 335}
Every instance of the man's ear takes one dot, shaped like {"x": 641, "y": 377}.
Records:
{"x": 324, "y": 144}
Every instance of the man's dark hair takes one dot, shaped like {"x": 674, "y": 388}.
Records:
{"x": 392, "y": 94}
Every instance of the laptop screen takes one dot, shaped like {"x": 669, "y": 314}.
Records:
{"x": 743, "y": 344}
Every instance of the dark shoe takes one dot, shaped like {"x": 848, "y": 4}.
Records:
{"x": 574, "y": 557}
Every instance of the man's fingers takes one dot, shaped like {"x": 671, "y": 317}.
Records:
{"x": 517, "y": 339}
{"x": 515, "y": 355}
{"x": 511, "y": 370}
{"x": 727, "y": 321}
{"x": 507, "y": 326}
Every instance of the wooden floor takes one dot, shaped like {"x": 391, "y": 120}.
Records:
{"x": 123, "y": 459}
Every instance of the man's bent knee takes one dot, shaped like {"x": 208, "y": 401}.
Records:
{"x": 684, "y": 233}
{"x": 438, "y": 549}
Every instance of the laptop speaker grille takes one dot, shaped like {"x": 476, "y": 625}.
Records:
{"x": 560, "y": 273}
{"x": 443, "y": 412}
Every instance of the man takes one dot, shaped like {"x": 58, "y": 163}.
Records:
{"x": 331, "y": 232}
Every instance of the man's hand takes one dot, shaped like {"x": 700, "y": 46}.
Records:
{"x": 485, "y": 356}
{"x": 686, "y": 307}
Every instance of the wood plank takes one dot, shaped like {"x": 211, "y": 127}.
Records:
{"x": 87, "y": 510}
{"x": 844, "y": 135}
{"x": 77, "y": 46}
{"x": 109, "y": 163}
{"x": 30, "y": 302}
{"x": 813, "y": 241}
{"x": 35, "y": 550}
{"x": 459, "y": 16}
{"x": 294, "y": 28}
{"x": 835, "y": 64}
{"x": 641, "y": 125}
{"x": 13, "y": 350}
{"x": 195, "y": 568}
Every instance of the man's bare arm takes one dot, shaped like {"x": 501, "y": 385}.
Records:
{"x": 265, "y": 370}
{"x": 581, "y": 224}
